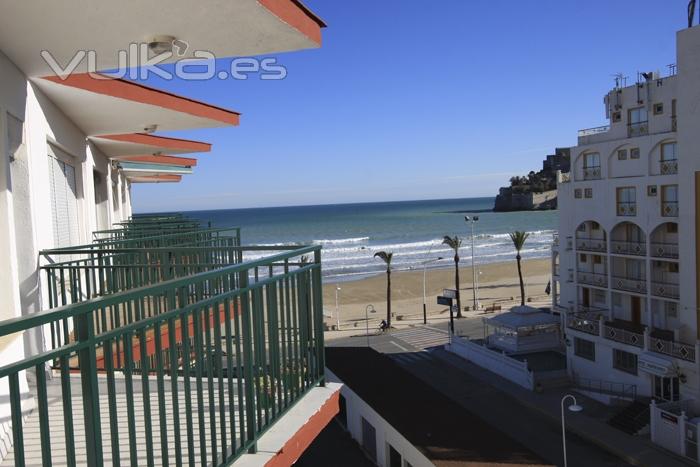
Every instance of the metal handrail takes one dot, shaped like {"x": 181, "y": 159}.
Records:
{"x": 272, "y": 351}
{"x": 593, "y": 131}
{"x": 606, "y": 387}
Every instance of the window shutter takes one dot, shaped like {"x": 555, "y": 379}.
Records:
{"x": 64, "y": 200}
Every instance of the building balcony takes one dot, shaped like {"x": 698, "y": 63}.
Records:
{"x": 625, "y": 332}
{"x": 175, "y": 346}
{"x": 665, "y": 290}
{"x": 626, "y": 208}
{"x": 664, "y": 250}
{"x": 669, "y": 208}
{"x": 591, "y": 244}
{"x": 588, "y": 322}
{"x": 592, "y": 173}
{"x": 621, "y": 247}
{"x": 592, "y": 278}
{"x": 629, "y": 284}
{"x": 672, "y": 348}
{"x": 668, "y": 167}
{"x": 637, "y": 129}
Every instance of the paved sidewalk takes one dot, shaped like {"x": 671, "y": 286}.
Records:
{"x": 589, "y": 424}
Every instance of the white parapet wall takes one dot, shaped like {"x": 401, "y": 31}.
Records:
{"x": 494, "y": 361}
{"x": 673, "y": 428}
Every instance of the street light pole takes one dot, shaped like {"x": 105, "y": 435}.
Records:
{"x": 472, "y": 220}
{"x": 425, "y": 266}
{"x": 573, "y": 408}
{"x": 337, "y": 307}
{"x": 368, "y": 309}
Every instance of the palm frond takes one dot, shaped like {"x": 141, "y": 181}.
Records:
{"x": 518, "y": 238}
{"x": 384, "y": 256}
{"x": 453, "y": 242}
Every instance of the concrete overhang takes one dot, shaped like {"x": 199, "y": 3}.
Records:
{"x": 135, "y": 169}
{"x": 161, "y": 159}
{"x": 224, "y": 27}
{"x": 158, "y": 178}
{"x": 99, "y": 106}
{"x": 138, "y": 144}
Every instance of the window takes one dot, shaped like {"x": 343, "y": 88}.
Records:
{"x": 622, "y": 154}
{"x": 626, "y": 201}
{"x": 669, "y": 201}
{"x": 668, "y": 152}
{"x": 599, "y": 296}
{"x": 64, "y": 198}
{"x": 584, "y": 348}
{"x": 595, "y": 225}
{"x": 625, "y": 361}
{"x": 658, "y": 108}
{"x": 637, "y": 121}
{"x": 671, "y": 227}
{"x": 617, "y": 299}
{"x": 395, "y": 459}
{"x": 577, "y": 193}
{"x": 634, "y": 153}
{"x": 617, "y": 116}
{"x": 588, "y": 193}
{"x": 597, "y": 259}
{"x": 651, "y": 190}
{"x": 591, "y": 166}
{"x": 583, "y": 258}
{"x": 671, "y": 309}
{"x": 369, "y": 439}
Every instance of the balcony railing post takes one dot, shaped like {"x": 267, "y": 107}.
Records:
{"x": 87, "y": 359}
{"x": 318, "y": 317}
{"x": 248, "y": 375}
{"x": 601, "y": 326}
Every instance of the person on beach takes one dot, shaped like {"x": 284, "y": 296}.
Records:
{"x": 383, "y": 326}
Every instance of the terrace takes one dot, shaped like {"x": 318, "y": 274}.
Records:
{"x": 184, "y": 347}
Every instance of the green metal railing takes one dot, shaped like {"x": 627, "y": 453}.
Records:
{"x": 193, "y": 370}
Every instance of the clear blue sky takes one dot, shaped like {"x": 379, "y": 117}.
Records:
{"x": 412, "y": 99}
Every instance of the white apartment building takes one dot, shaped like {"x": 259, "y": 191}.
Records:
{"x": 625, "y": 263}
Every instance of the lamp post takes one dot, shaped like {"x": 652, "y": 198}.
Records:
{"x": 368, "y": 309}
{"x": 573, "y": 408}
{"x": 472, "y": 220}
{"x": 337, "y": 307}
{"x": 425, "y": 265}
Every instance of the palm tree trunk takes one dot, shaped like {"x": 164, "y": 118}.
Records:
{"x": 388, "y": 299}
{"x": 459, "y": 299}
{"x": 522, "y": 284}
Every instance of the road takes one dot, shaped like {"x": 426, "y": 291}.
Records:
{"x": 529, "y": 426}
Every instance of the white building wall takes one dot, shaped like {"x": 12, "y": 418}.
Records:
{"x": 385, "y": 434}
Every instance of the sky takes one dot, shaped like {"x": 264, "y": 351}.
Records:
{"x": 417, "y": 99}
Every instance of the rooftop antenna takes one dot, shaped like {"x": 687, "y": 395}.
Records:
{"x": 620, "y": 80}
{"x": 691, "y": 12}
{"x": 671, "y": 69}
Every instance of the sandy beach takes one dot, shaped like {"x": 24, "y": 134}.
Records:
{"x": 498, "y": 285}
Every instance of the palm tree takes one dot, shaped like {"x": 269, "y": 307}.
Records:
{"x": 455, "y": 243}
{"x": 518, "y": 238}
{"x": 386, "y": 257}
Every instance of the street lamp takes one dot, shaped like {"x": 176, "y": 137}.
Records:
{"x": 573, "y": 408}
{"x": 368, "y": 309}
{"x": 425, "y": 265}
{"x": 472, "y": 220}
{"x": 337, "y": 307}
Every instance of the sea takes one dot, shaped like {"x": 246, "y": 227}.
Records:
{"x": 350, "y": 234}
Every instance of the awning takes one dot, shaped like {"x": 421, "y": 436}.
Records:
{"x": 655, "y": 364}
{"x": 164, "y": 160}
{"x": 108, "y": 106}
{"x": 224, "y": 27}
{"x": 131, "y": 169}
{"x": 160, "y": 178}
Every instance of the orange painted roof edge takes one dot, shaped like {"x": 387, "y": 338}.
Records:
{"x": 165, "y": 142}
{"x": 297, "y": 15}
{"x": 129, "y": 90}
